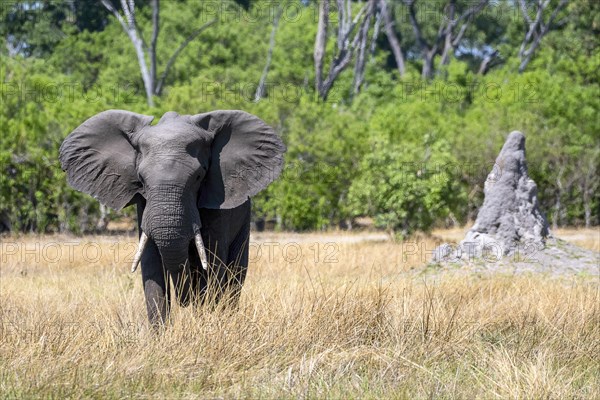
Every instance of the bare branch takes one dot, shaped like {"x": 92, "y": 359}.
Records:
{"x": 416, "y": 27}
{"x": 129, "y": 13}
{"x": 488, "y": 62}
{"x": 428, "y": 51}
{"x": 131, "y": 29}
{"x": 350, "y": 28}
{"x": 176, "y": 53}
{"x": 320, "y": 43}
{"x": 343, "y": 58}
{"x": 153, "y": 40}
{"x": 376, "y": 31}
{"x": 392, "y": 38}
{"x": 447, "y": 32}
{"x": 524, "y": 12}
{"x": 558, "y": 8}
{"x": 260, "y": 90}
{"x": 342, "y": 22}
{"x": 453, "y": 41}
{"x": 536, "y": 30}
{"x": 345, "y": 46}
{"x": 467, "y": 17}
{"x": 361, "y": 59}
{"x": 108, "y": 5}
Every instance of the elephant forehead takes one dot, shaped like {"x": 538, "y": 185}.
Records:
{"x": 176, "y": 134}
{"x": 172, "y": 134}
{"x": 168, "y": 116}
{"x": 174, "y": 128}
{"x": 175, "y": 139}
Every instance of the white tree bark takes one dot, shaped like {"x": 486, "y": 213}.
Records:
{"x": 446, "y": 33}
{"x": 320, "y": 43}
{"x": 260, "y": 90}
{"x": 536, "y": 29}
{"x": 392, "y": 38}
{"x": 146, "y": 55}
{"x": 192, "y": 36}
{"x": 361, "y": 57}
{"x": 130, "y": 27}
{"x": 345, "y": 46}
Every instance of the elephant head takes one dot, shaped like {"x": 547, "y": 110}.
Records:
{"x": 214, "y": 160}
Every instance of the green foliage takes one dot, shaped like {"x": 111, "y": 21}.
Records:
{"x": 406, "y": 187}
{"x": 408, "y": 153}
{"x": 325, "y": 144}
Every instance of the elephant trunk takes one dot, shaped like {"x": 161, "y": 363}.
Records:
{"x": 171, "y": 219}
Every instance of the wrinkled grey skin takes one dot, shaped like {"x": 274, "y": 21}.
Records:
{"x": 186, "y": 174}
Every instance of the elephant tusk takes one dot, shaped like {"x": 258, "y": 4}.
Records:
{"x": 201, "y": 251}
{"x": 138, "y": 256}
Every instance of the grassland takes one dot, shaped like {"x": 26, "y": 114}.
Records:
{"x": 321, "y": 316}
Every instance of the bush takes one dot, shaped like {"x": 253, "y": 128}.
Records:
{"x": 406, "y": 188}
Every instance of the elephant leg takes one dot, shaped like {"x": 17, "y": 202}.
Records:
{"x": 154, "y": 281}
{"x": 225, "y": 234}
{"x": 238, "y": 262}
{"x": 217, "y": 274}
{"x": 208, "y": 286}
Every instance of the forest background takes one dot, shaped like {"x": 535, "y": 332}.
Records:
{"x": 391, "y": 110}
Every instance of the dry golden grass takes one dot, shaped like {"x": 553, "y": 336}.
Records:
{"x": 320, "y": 316}
{"x": 588, "y": 238}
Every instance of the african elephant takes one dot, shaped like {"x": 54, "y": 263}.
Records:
{"x": 191, "y": 177}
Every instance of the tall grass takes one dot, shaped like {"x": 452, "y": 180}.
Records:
{"x": 372, "y": 323}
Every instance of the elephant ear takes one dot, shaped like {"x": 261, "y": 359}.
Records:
{"x": 100, "y": 159}
{"x": 246, "y": 155}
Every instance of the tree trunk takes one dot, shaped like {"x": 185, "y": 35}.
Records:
{"x": 103, "y": 220}
{"x": 361, "y": 59}
{"x": 588, "y": 213}
{"x": 152, "y": 86}
{"x": 427, "y": 71}
{"x": 320, "y": 43}
{"x": 148, "y": 83}
{"x": 260, "y": 90}
{"x": 487, "y": 63}
{"x": 154, "y": 39}
{"x": 345, "y": 46}
{"x": 537, "y": 28}
{"x": 192, "y": 36}
{"x": 448, "y": 34}
{"x": 557, "y": 203}
{"x": 392, "y": 38}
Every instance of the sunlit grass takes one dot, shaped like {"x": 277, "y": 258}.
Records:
{"x": 320, "y": 316}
